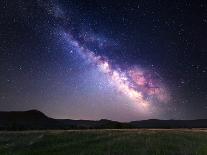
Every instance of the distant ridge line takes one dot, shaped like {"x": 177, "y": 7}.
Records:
{"x": 36, "y": 120}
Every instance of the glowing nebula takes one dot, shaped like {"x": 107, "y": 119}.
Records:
{"x": 139, "y": 85}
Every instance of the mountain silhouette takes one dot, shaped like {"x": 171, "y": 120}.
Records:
{"x": 36, "y": 120}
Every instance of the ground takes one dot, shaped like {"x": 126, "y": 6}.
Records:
{"x": 105, "y": 142}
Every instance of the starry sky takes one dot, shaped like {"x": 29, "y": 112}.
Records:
{"x": 122, "y": 60}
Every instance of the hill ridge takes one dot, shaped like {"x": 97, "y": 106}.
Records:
{"x": 35, "y": 119}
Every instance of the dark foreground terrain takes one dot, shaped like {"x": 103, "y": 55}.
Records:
{"x": 119, "y": 142}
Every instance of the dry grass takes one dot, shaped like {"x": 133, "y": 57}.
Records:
{"x": 106, "y": 142}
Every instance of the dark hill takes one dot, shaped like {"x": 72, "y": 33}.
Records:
{"x": 154, "y": 123}
{"x": 34, "y": 120}
{"x": 31, "y": 115}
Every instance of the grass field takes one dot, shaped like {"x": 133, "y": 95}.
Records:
{"x": 118, "y": 142}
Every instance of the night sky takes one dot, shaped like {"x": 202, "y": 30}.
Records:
{"x": 113, "y": 59}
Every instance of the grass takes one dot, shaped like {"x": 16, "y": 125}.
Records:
{"x": 104, "y": 142}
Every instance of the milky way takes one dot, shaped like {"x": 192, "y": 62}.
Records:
{"x": 141, "y": 86}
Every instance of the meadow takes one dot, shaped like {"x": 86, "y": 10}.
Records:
{"x": 104, "y": 142}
